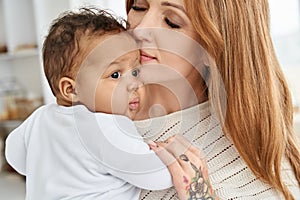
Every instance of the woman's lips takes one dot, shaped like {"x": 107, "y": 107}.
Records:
{"x": 134, "y": 104}
{"x": 145, "y": 57}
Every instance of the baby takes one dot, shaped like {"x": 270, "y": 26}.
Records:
{"x": 85, "y": 146}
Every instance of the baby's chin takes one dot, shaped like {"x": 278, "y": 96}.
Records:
{"x": 131, "y": 114}
{"x": 139, "y": 115}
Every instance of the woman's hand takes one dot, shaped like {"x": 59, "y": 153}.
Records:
{"x": 187, "y": 167}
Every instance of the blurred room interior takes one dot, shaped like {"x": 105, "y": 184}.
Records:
{"x": 23, "y": 88}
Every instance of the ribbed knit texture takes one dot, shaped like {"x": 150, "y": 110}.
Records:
{"x": 229, "y": 175}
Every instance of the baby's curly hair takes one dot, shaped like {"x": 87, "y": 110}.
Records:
{"x": 63, "y": 49}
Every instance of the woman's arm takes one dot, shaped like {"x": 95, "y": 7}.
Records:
{"x": 187, "y": 167}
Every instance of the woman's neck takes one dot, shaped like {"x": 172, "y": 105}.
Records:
{"x": 158, "y": 100}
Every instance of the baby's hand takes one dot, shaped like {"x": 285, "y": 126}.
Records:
{"x": 187, "y": 167}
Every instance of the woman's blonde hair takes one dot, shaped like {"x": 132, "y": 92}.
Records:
{"x": 259, "y": 115}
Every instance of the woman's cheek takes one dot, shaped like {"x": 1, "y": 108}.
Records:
{"x": 133, "y": 20}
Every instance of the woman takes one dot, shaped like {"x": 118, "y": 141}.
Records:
{"x": 254, "y": 154}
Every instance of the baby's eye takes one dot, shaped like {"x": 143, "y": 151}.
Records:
{"x": 135, "y": 72}
{"x": 115, "y": 75}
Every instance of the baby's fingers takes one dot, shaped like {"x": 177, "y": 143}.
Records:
{"x": 167, "y": 158}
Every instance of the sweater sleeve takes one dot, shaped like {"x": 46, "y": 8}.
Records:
{"x": 114, "y": 141}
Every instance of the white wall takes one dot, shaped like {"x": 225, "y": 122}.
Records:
{"x": 45, "y": 12}
{"x": 117, "y": 6}
{"x": 80, "y": 3}
{"x": 285, "y": 17}
{"x": 285, "y": 29}
{"x": 2, "y": 30}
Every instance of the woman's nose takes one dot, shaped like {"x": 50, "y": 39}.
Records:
{"x": 143, "y": 31}
{"x": 148, "y": 20}
{"x": 142, "y": 34}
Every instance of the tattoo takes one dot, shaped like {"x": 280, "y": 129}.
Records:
{"x": 199, "y": 188}
{"x": 184, "y": 157}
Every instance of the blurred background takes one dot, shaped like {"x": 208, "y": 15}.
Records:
{"x": 23, "y": 88}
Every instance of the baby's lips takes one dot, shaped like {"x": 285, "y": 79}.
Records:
{"x": 134, "y": 104}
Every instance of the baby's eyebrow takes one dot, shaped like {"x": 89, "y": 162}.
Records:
{"x": 115, "y": 62}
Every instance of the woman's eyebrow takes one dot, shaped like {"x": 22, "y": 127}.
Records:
{"x": 166, "y": 3}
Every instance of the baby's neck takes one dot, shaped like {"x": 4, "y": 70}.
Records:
{"x": 63, "y": 102}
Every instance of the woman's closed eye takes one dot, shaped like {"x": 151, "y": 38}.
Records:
{"x": 138, "y": 8}
{"x": 171, "y": 24}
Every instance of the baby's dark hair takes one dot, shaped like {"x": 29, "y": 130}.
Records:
{"x": 63, "y": 49}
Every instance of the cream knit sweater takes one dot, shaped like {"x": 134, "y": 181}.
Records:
{"x": 229, "y": 175}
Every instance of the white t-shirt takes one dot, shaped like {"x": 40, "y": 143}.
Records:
{"x": 72, "y": 153}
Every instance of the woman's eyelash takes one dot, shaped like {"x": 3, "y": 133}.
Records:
{"x": 136, "y": 8}
{"x": 171, "y": 24}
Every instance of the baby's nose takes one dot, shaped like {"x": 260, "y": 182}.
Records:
{"x": 134, "y": 85}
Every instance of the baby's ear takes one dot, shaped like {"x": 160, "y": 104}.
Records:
{"x": 67, "y": 89}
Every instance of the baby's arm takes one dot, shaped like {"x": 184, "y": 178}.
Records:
{"x": 15, "y": 149}
{"x": 114, "y": 141}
